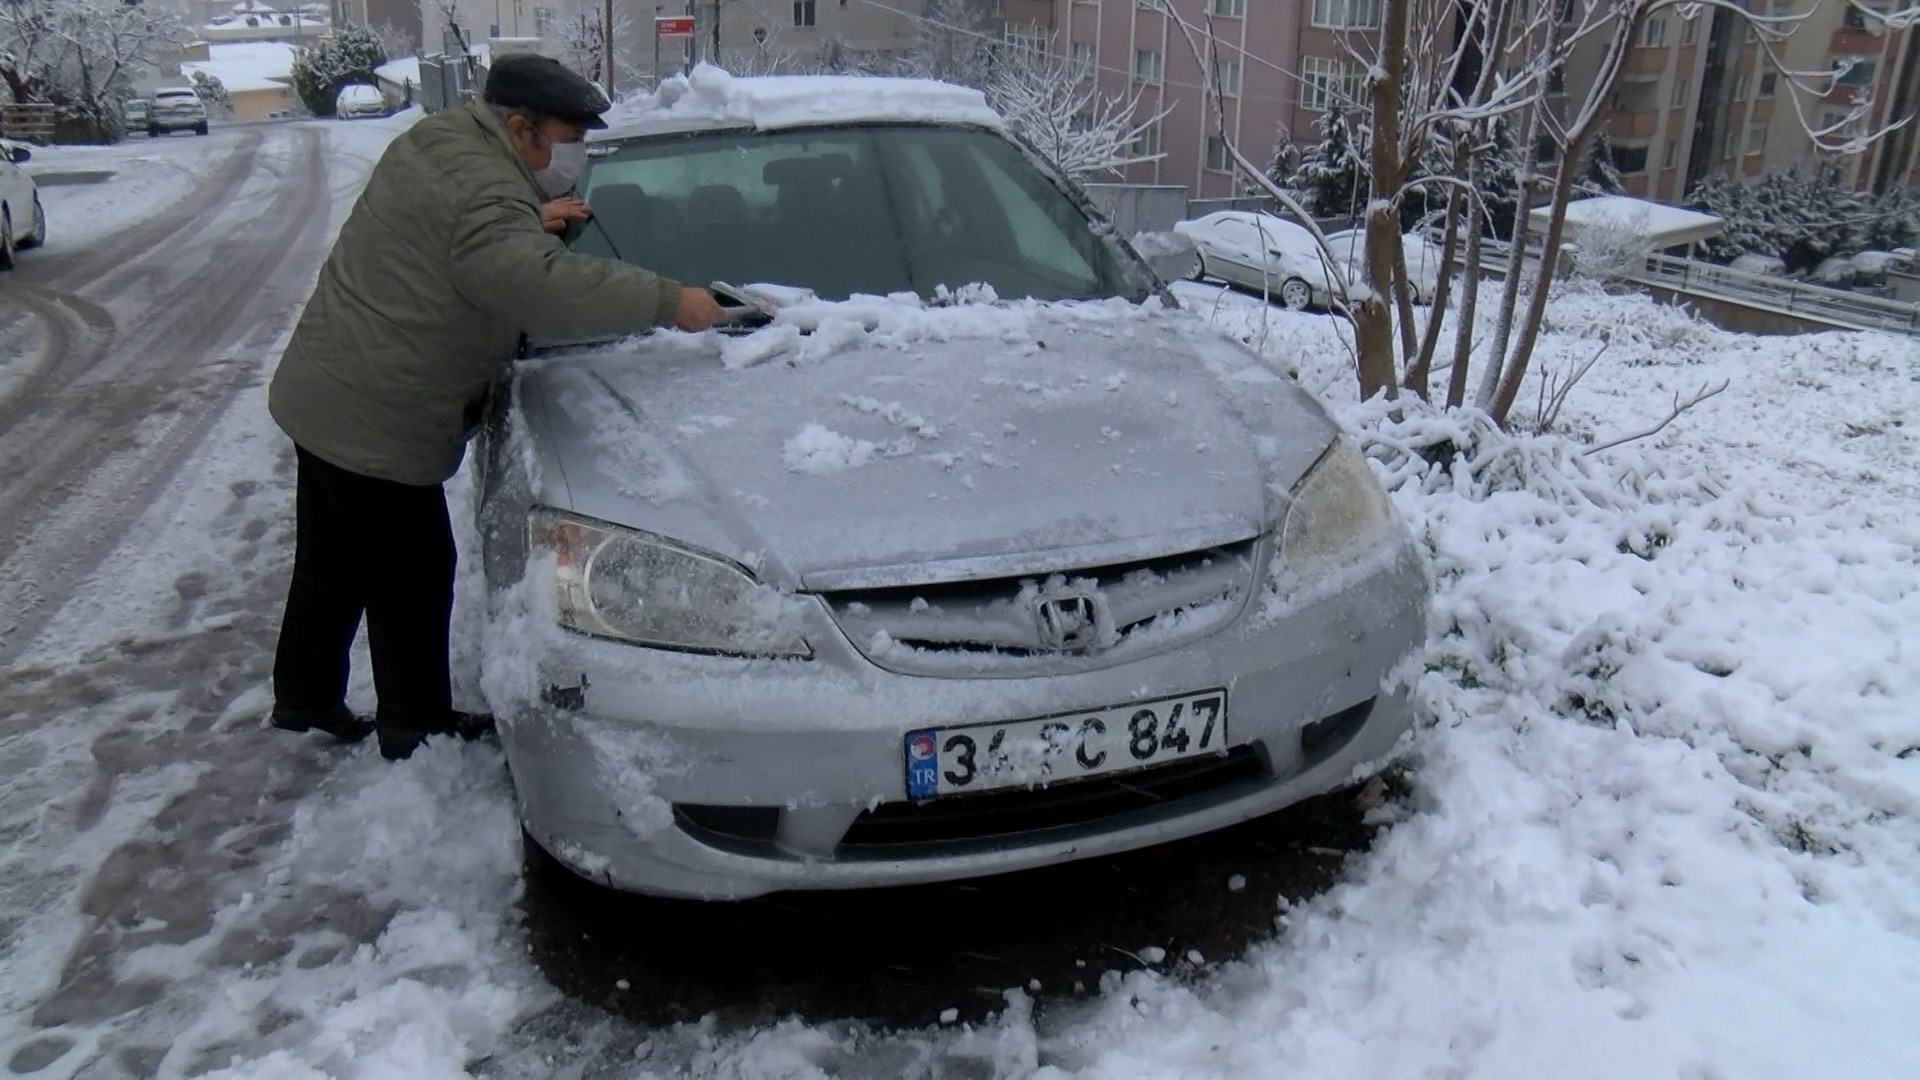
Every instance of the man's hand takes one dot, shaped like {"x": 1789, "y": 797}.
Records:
{"x": 697, "y": 310}
{"x": 557, "y": 214}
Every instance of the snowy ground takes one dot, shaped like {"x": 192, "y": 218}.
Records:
{"x": 142, "y": 174}
{"x": 1662, "y": 820}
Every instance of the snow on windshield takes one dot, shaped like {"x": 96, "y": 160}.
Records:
{"x": 710, "y": 95}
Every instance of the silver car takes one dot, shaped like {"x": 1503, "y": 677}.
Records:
{"x": 899, "y": 591}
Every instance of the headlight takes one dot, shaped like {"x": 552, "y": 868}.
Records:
{"x": 621, "y": 583}
{"x": 1338, "y": 510}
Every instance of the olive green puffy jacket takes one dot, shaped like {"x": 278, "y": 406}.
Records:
{"x": 439, "y": 269}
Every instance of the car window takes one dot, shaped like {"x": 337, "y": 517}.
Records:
{"x": 869, "y": 210}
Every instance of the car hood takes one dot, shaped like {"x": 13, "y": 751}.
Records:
{"x": 852, "y": 446}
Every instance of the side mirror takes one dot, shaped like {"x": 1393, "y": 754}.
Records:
{"x": 19, "y": 155}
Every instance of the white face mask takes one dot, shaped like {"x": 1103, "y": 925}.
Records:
{"x": 569, "y": 158}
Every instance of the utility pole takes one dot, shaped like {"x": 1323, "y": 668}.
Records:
{"x": 714, "y": 56}
{"x": 656, "y": 45}
{"x": 606, "y": 45}
{"x": 692, "y": 40}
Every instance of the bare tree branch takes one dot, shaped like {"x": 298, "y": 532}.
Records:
{"x": 1679, "y": 407}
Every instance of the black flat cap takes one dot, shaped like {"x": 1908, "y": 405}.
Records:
{"x": 544, "y": 85}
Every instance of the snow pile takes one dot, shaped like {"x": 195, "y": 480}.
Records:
{"x": 711, "y": 96}
{"x": 1666, "y": 787}
{"x": 809, "y": 330}
{"x": 818, "y": 450}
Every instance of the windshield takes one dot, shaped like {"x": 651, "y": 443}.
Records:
{"x": 874, "y": 210}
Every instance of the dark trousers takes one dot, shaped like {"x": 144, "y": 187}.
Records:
{"x": 379, "y": 549}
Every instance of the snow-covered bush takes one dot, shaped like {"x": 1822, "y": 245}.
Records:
{"x": 212, "y": 93}
{"x": 349, "y": 56}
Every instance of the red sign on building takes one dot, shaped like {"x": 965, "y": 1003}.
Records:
{"x": 673, "y": 26}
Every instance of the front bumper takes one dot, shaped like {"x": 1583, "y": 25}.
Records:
{"x": 721, "y": 778}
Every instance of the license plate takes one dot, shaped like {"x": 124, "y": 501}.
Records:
{"x": 1068, "y": 746}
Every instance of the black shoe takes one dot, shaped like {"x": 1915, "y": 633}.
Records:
{"x": 397, "y": 742}
{"x": 336, "y": 721}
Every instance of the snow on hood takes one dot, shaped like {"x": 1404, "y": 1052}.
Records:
{"x": 712, "y": 96}
{"x": 887, "y": 440}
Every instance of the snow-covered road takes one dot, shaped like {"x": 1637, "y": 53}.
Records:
{"x": 1661, "y": 818}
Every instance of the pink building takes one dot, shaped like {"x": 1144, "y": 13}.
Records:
{"x": 1133, "y": 43}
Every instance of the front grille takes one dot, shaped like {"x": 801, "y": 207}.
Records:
{"x": 927, "y": 629}
{"x": 885, "y": 831}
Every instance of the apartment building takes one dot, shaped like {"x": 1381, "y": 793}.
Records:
{"x": 753, "y": 34}
{"x": 1132, "y": 45}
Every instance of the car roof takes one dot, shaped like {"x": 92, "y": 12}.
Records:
{"x": 710, "y": 100}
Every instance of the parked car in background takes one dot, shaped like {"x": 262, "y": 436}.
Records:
{"x": 176, "y": 108}
{"x": 357, "y": 101}
{"x": 1262, "y": 253}
{"x": 138, "y": 112}
{"x": 23, "y": 224}
{"x": 759, "y": 656}
{"x": 1423, "y": 260}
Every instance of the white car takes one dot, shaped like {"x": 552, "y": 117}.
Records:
{"x": 1263, "y": 253}
{"x": 357, "y": 101}
{"x": 1423, "y": 260}
{"x": 23, "y": 224}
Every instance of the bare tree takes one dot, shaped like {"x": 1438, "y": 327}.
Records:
{"x": 82, "y": 54}
{"x": 1058, "y": 110}
{"x": 396, "y": 42}
{"x": 1485, "y": 66}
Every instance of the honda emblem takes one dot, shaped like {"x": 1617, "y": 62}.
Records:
{"x": 1068, "y": 623}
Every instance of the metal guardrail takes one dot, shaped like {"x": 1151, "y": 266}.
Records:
{"x": 1794, "y": 297}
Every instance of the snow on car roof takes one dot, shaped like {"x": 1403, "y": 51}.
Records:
{"x": 712, "y": 98}
{"x": 1662, "y": 225}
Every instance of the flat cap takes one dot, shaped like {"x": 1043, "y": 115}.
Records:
{"x": 544, "y": 85}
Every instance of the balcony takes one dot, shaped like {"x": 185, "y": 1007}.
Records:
{"x": 1848, "y": 42}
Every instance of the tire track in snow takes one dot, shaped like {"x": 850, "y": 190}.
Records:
{"x": 93, "y": 453}
{"x": 104, "y": 270}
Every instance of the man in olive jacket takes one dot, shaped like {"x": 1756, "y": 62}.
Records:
{"x": 444, "y": 262}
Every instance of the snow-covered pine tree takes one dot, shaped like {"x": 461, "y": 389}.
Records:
{"x": 1598, "y": 174}
{"x": 1333, "y": 172}
{"x": 1500, "y": 179}
{"x": 1894, "y": 221}
{"x": 1284, "y": 163}
{"x": 212, "y": 93}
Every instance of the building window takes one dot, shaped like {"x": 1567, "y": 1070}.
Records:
{"x": 1146, "y": 65}
{"x": 1217, "y": 157}
{"x": 1767, "y": 84}
{"x": 1671, "y": 159}
{"x": 1756, "y": 137}
{"x": 1653, "y": 33}
{"x": 1232, "y": 8}
{"x": 1690, "y": 30}
{"x": 1327, "y": 82}
{"x": 543, "y": 20}
{"x": 1742, "y": 82}
{"x": 1082, "y": 59}
{"x": 1347, "y": 14}
{"x": 804, "y": 13}
{"x": 1226, "y": 75}
{"x": 1027, "y": 42}
{"x": 1148, "y": 143}
{"x": 1860, "y": 74}
{"x": 1630, "y": 159}
{"x": 1679, "y": 98}
{"x": 1154, "y": 5}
